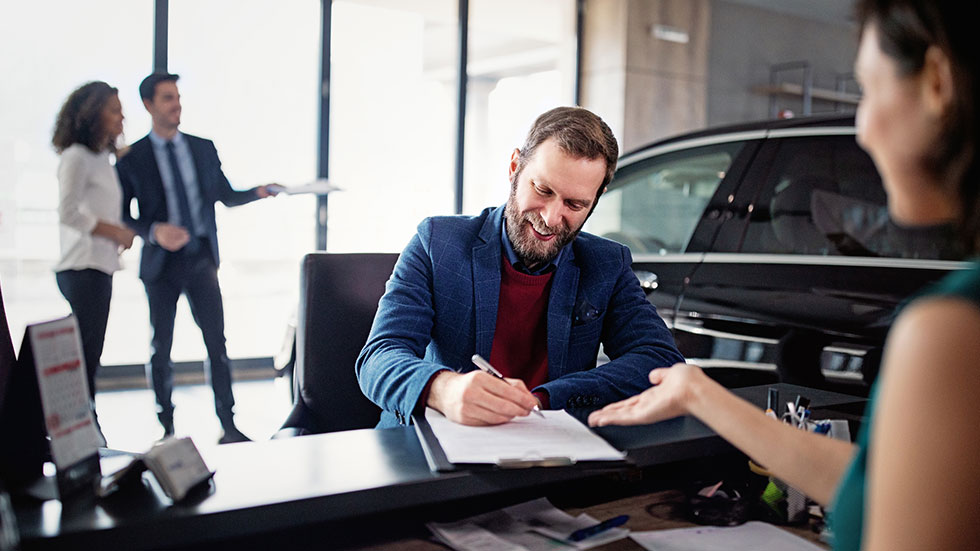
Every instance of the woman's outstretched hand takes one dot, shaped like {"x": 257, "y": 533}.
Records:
{"x": 669, "y": 397}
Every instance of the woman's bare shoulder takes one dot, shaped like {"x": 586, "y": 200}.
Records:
{"x": 937, "y": 337}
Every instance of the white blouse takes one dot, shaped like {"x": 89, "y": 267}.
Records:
{"x": 88, "y": 192}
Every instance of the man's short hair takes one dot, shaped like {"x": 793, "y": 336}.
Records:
{"x": 578, "y": 132}
{"x": 148, "y": 88}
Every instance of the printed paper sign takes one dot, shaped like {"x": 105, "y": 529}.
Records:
{"x": 64, "y": 390}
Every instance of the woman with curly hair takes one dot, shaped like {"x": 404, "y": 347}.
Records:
{"x": 90, "y": 212}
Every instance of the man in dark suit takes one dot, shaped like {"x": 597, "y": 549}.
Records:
{"x": 175, "y": 179}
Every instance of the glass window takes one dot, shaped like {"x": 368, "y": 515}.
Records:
{"x": 392, "y": 120}
{"x": 249, "y": 80}
{"x": 49, "y": 52}
{"x": 521, "y": 62}
{"x": 823, "y": 196}
{"x": 653, "y": 206}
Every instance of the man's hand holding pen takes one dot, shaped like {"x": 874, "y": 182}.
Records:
{"x": 479, "y": 398}
{"x": 487, "y": 368}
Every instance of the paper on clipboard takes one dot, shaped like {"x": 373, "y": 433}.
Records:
{"x": 531, "y": 438}
{"x": 320, "y": 186}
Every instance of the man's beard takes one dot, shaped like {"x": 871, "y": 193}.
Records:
{"x": 529, "y": 249}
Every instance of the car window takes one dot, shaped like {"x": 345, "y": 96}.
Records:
{"x": 654, "y": 205}
{"x": 823, "y": 196}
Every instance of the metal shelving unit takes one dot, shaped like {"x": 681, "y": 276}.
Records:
{"x": 779, "y": 86}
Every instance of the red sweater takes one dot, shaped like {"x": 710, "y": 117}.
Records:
{"x": 520, "y": 341}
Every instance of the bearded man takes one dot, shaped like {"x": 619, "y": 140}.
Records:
{"x": 520, "y": 285}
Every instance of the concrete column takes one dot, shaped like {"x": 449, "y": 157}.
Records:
{"x": 485, "y": 181}
{"x": 645, "y": 66}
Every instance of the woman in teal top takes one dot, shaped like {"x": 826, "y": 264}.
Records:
{"x": 912, "y": 480}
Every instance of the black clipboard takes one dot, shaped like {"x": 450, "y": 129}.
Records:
{"x": 434, "y": 455}
{"x": 439, "y": 463}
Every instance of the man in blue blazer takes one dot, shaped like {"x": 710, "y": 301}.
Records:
{"x": 176, "y": 179}
{"x": 520, "y": 285}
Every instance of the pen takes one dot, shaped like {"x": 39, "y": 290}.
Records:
{"x": 772, "y": 402}
{"x": 583, "y": 533}
{"x": 801, "y": 401}
{"x": 804, "y": 415}
{"x": 485, "y": 366}
{"x": 794, "y": 418}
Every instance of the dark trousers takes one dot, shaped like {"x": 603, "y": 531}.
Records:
{"x": 89, "y": 293}
{"x": 195, "y": 276}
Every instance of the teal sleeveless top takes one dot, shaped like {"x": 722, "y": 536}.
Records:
{"x": 847, "y": 510}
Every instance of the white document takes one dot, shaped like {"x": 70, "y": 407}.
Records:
{"x": 751, "y": 536}
{"x": 532, "y": 526}
{"x": 531, "y": 438}
{"x": 319, "y": 186}
{"x": 63, "y": 383}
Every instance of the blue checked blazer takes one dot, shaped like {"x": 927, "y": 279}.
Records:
{"x": 440, "y": 308}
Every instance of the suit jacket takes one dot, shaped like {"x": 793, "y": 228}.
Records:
{"x": 440, "y": 307}
{"x": 140, "y": 178}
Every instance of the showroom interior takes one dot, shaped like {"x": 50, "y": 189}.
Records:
{"x": 410, "y": 109}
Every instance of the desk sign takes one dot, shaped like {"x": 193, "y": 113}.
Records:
{"x": 55, "y": 349}
{"x": 177, "y": 466}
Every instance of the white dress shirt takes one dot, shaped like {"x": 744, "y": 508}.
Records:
{"x": 188, "y": 173}
{"x": 88, "y": 192}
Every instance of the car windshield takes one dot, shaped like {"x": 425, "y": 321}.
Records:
{"x": 654, "y": 205}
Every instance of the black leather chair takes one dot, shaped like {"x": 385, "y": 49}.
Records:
{"x": 339, "y": 296}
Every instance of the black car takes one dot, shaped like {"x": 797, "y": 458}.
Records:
{"x": 767, "y": 247}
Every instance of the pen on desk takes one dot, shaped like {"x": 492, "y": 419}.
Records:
{"x": 804, "y": 416}
{"x": 794, "y": 418}
{"x": 485, "y": 366}
{"x": 772, "y": 402}
{"x": 590, "y": 531}
{"x": 801, "y": 401}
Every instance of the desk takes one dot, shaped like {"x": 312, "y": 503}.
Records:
{"x": 334, "y": 480}
{"x": 642, "y": 518}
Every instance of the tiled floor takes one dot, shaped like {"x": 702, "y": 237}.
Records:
{"x": 128, "y": 417}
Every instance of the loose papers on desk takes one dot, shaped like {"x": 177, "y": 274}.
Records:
{"x": 531, "y": 438}
{"x": 533, "y": 526}
{"x": 751, "y": 536}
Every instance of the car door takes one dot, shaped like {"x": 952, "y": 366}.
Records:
{"x": 817, "y": 262}
{"x": 666, "y": 204}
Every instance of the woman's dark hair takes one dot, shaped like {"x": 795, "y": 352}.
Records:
{"x": 80, "y": 118}
{"x": 906, "y": 30}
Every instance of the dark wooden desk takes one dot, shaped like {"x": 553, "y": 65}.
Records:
{"x": 335, "y": 480}
{"x": 643, "y": 518}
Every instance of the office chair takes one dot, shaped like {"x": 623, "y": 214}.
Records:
{"x": 339, "y": 296}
